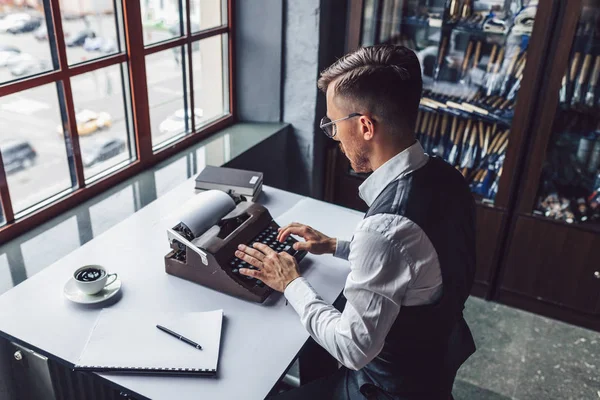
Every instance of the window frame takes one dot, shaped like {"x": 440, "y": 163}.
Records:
{"x": 134, "y": 57}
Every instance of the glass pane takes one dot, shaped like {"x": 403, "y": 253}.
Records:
{"x": 90, "y": 29}
{"x": 44, "y": 249}
{"x": 171, "y": 175}
{"x": 206, "y": 14}
{"x": 102, "y": 120}
{"x": 35, "y": 156}
{"x": 210, "y": 74}
{"x": 405, "y": 22}
{"x": 5, "y": 275}
{"x": 24, "y": 47}
{"x": 473, "y": 55}
{"x": 201, "y": 158}
{"x": 170, "y": 115}
{"x": 570, "y": 186}
{"x": 112, "y": 210}
{"x": 161, "y": 20}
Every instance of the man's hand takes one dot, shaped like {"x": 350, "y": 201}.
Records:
{"x": 315, "y": 241}
{"x": 276, "y": 270}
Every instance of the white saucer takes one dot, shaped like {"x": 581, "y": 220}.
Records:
{"x": 72, "y": 293}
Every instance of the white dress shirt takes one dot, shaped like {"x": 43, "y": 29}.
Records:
{"x": 392, "y": 264}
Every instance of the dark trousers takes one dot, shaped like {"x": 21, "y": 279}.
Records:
{"x": 321, "y": 379}
{"x": 328, "y": 388}
{"x": 334, "y": 387}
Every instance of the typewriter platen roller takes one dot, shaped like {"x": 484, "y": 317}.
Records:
{"x": 204, "y": 242}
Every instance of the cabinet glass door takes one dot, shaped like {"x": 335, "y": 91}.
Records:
{"x": 473, "y": 55}
{"x": 569, "y": 190}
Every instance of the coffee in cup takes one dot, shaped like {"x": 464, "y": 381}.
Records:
{"x": 91, "y": 279}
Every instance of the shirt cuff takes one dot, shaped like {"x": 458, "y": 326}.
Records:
{"x": 342, "y": 249}
{"x": 299, "y": 293}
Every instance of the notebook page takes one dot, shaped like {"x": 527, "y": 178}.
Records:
{"x": 130, "y": 339}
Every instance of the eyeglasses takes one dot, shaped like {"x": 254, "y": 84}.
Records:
{"x": 329, "y": 126}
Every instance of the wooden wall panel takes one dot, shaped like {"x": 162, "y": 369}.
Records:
{"x": 491, "y": 223}
{"x": 553, "y": 263}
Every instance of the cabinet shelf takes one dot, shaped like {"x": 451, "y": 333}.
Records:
{"x": 474, "y": 31}
{"x": 586, "y": 226}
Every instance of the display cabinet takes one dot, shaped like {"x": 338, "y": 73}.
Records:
{"x": 482, "y": 67}
{"x": 552, "y": 261}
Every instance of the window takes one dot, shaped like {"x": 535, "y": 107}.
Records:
{"x": 95, "y": 91}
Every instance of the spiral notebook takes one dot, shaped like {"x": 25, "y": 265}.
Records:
{"x": 129, "y": 342}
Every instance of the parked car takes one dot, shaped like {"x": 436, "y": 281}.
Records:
{"x": 17, "y": 155}
{"x": 79, "y": 38}
{"x": 16, "y": 58}
{"x": 25, "y": 25}
{"x": 109, "y": 46}
{"x": 41, "y": 33}
{"x": 175, "y": 123}
{"x": 12, "y": 20}
{"x": 102, "y": 150}
{"x": 92, "y": 44}
{"x": 99, "y": 44}
{"x": 29, "y": 67}
{"x": 6, "y": 52}
{"x": 88, "y": 122}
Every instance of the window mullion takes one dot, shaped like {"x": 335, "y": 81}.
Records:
{"x": 190, "y": 67}
{"x": 218, "y": 30}
{"x": 71, "y": 134}
{"x": 5, "y": 201}
{"x": 134, "y": 37}
{"x": 231, "y": 60}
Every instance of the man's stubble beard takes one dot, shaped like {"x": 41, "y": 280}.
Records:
{"x": 358, "y": 158}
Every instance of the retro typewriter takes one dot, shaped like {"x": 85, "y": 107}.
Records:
{"x": 204, "y": 241}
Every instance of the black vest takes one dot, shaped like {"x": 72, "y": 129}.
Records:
{"x": 427, "y": 344}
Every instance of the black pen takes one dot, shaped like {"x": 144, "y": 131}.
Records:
{"x": 178, "y": 336}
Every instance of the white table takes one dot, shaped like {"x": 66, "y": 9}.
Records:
{"x": 258, "y": 341}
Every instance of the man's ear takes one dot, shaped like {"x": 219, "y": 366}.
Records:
{"x": 367, "y": 129}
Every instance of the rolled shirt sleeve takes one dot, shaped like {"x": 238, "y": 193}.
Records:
{"x": 374, "y": 289}
{"x": 342, "y": 249}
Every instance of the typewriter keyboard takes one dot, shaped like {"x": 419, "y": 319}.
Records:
{"x": 268, "y": 237}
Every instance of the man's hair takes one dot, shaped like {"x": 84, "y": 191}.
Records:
{"x": 383, "y": 79}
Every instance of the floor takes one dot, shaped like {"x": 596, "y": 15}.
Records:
{"x": 525, "y": 356}
{"x": 520, "y": 355}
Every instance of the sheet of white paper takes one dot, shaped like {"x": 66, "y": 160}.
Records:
{"x": 125, "y": 339}
{"x": 204, "y": 210}
{"x": 327, "y": 218}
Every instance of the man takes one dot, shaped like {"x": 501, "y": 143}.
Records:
{"x": 401, "y": 334}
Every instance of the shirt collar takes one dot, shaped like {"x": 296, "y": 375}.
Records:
{"x": 403, "y": 163}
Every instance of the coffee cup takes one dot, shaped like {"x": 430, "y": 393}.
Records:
{"x": 91, "y": 279}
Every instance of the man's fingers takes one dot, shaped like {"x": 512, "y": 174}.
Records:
{"x": 249, "y": 259}
{"x": 300, "y": 230}
{"x": 251, "y": 272}
{"x": 290, "y": 224}
{"x": 307, "y": 246}
{"x": 285, "y": 254}
{"x": 284, "y": 228}
{"x": 252, "y": 252}
{"x": 264, "y": 248}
